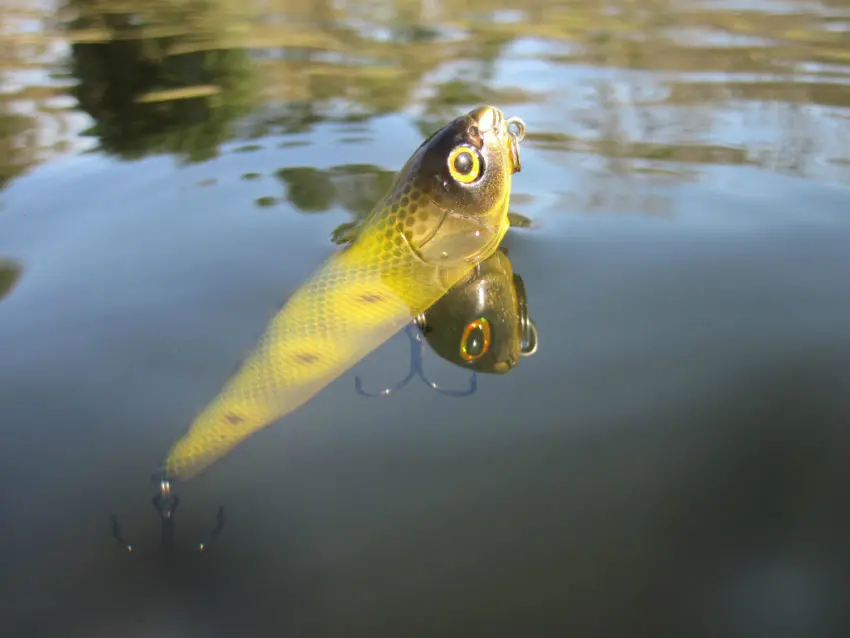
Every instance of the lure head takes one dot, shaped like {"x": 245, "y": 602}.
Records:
{"x": 482, "y": 323}
{"x": 450, "y": 200}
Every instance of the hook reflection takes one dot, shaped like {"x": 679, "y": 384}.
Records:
{"x": 417, "y": 350}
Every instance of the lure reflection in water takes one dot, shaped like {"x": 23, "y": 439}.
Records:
{"x": 446, "y": 211}
{"x": 482, "y": 324}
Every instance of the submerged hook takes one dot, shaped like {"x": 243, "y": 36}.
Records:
{"x": 417, "y": 349}
{"x": 165, "y": 501}
{"x": 202, "y": 546}
{"x": 116, "y": 534}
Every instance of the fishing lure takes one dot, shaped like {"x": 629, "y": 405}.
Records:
{"x": 445, "y": 212}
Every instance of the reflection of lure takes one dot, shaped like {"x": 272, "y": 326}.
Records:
{"x": 482, "y": 323}
{"x": 446, "y": 211}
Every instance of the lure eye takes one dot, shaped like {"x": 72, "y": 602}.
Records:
{"x": 475, "y": 341}
{"x": 465, "y": 164}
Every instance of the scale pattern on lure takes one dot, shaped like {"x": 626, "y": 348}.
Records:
{"x": 446, "y": 210}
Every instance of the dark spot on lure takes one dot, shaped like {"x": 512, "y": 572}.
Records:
{"x": 370, "y": 297}
{"x": 306, "y": 357}
{"x": 234, "y": 419}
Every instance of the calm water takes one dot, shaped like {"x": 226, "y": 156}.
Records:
{"x": 672, "y": 461}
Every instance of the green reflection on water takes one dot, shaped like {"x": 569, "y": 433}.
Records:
{"x": 354, "y": 187}
{"x": 265, "y": 201}
{"x": 309, "y": 189}
{"x": 651, "y": 87}
{"x": 151, "y": 85}
{"x": 17, "y": 150}
{"x": 9, "y": 274}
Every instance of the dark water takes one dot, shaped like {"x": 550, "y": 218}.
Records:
{"x": 672, "y": 461}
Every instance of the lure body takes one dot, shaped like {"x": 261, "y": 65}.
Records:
{"x": 426, "y": 234}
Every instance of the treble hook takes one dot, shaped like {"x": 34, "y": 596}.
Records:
{"x": 116, "y": 534}
{"x": 417, "y": 349}
{"x": 202, "y": 546}
{"x": 166, "y": 501}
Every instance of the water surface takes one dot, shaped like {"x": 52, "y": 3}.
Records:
{"x": 670, "y": 462}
